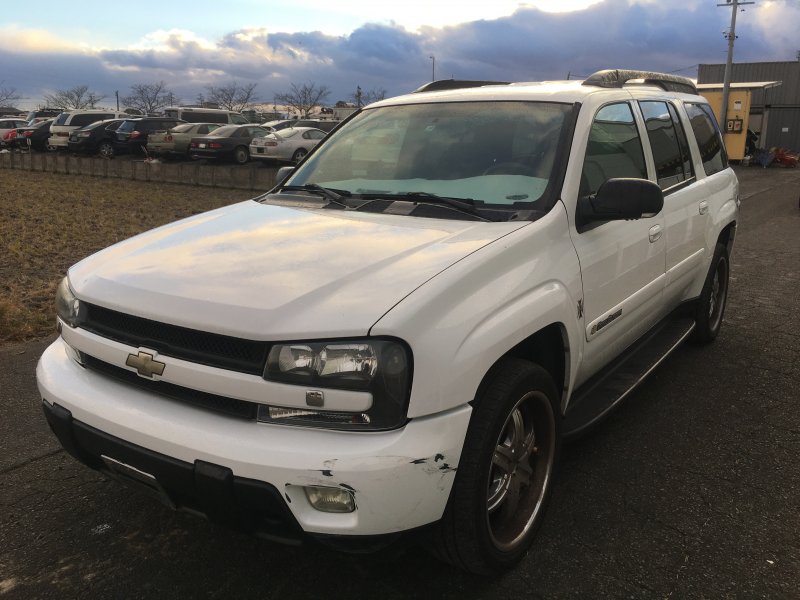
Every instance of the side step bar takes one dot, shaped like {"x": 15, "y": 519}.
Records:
{"x": 600, "y": 394}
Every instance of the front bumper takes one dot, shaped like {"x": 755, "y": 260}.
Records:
{"x": 400, "y": 479}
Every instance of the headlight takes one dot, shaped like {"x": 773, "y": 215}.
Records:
{"x": 68, "y": 306}
{"x": 382, "y": 367}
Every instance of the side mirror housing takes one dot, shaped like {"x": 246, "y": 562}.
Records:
{"x": 620, "y": 199}
{"x": 282, "y": 174}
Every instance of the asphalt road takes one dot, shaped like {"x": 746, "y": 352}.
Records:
{"x": 690, "y": 490}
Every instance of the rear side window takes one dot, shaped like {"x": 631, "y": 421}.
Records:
{"x": 614, "y": 149}
{"x": 81, "y": 120}
{"x": 661, "y": 132}
{"x": 61, "y": 119}
{"x": 237, "y": 119}
{"x": 709, "y": 139}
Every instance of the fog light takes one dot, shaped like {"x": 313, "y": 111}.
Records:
{"x": 330, "y": 499}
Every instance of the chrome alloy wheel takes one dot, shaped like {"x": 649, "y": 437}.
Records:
{"x": 719, "y": 292}
{"x": 521, "y": 469}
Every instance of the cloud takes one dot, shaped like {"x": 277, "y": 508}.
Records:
{"x": 530, "y": 44}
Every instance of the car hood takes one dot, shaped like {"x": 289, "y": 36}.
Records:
{"x": 262, "y": 271}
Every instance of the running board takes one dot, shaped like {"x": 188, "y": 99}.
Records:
{"x": 600, "y": 394}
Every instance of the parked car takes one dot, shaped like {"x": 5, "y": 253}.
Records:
{"x": 43, "y": 114}
{"x": 10, "y": 124}
{"x": 290, "y": 144}
{"x": 177, "y": 139}
{"x": 97, "y": 138}
{"x": 227, "y": 142}
{"x": 324, "y": 124}
{"x": 399, "y": 337}
{"x": 34, "y": 136}
{"x": 132, "y": 135}
{"x": 205, "y": 115}
{"x": 69, "y": 121}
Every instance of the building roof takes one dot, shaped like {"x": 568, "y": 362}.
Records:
{"x": 743, "y": 85}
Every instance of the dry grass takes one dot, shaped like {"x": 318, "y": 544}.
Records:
{"x": 49, "y": 222}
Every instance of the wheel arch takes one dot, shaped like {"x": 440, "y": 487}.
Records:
{"x": 549, "y": 348}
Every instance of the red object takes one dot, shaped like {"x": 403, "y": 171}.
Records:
{"x": 135, "y": 134}
{"x": 215, "y": 145}
{"x": 168, "y": 138}
{"x": 27, "y": 133}
{"x": 10, "y": 136}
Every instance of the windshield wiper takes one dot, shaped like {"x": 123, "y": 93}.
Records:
{"x": 465, "y": 205}
{"x": 333, "y": 196}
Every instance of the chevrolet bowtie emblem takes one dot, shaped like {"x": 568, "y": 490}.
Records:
{"x": 145, "y": 365}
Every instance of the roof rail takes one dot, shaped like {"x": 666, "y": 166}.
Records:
{"x": 617, "y": 78}
{"x": 454, "y": 84}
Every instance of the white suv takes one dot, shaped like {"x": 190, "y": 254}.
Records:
{"x": 400, "y": 334}
{"x": 70, "y": 120}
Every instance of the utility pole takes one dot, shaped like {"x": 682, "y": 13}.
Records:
{"x": 116, "y": 93}
{"x": 726, "y": 84}
{"x": 433, "y": 67}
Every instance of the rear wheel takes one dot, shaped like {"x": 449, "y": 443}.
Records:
{"x": 299, "y": 154}
{"x": 241, "y": 155}
{"x": 505, "y": 474}
{"x": 711, "y": 304}
{"x": 106, "y": 149}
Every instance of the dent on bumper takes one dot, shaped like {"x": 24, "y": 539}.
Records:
{"x": 400, "y": 479}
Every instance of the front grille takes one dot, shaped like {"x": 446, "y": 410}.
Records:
{"x": 221, "y": 404}
{"x": 211, "y": 349}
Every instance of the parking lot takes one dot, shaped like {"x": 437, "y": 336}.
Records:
{"x": 691, "y": 489}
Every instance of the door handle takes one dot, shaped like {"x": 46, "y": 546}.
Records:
{"x": 655, "y": 233}
{"x": 703, "y": 207}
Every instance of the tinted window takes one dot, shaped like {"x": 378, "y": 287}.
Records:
{"x": 314, "y": 134}
{"x": 61, "y": 119}
{"x": 80, "y": 120}
{"x": 709, "y": 140}
{"x": 127, "y": 126}
{"x": 227, "y": 131}
{"x": 686, "y": 156}
{"x": 613, "y": 150}
{"x": 186, "y": 127}
{"x": 663, "y": 143}
{"x": 238, "y": 119}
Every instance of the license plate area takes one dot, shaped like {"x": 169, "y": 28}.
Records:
{"x": 145, "y": 482}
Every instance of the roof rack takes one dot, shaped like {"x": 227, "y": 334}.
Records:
{"x": 617, "y": 78}
{"x": 454, "y": 84}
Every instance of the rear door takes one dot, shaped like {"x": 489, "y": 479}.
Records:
{"x": 685, "y": 207}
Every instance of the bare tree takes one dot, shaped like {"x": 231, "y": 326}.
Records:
{"x": 360, "y": 98}
{"x": 8, "y": 95}
{"x": 79, "y": 96}
{"x": 149, "y": 97}
{"x": 304, "y": 98}
{"x": 232, "y": 96}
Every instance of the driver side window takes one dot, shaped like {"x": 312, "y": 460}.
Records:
{"x": 614, "y": 149}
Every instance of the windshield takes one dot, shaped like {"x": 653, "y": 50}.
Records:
{"x": 494, "y": 153}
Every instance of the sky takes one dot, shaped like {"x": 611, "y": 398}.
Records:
{"x": 343, "y": 44}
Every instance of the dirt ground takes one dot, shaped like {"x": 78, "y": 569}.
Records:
{"x": 49, "y": 222}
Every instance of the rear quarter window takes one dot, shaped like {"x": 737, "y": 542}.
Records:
{"x": 709, "y": 139}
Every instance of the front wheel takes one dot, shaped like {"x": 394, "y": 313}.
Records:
{"x": 711, "y": 304}
{"x": 241, "y": 155}
{"x": 505, "y": 474}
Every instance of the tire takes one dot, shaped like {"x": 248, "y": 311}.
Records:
{"x": 241, "y": 155}
{"x": 106, "y": 150}
{"x": 505, "y": 473}
{"x": 711, "y": 305}
{"x": 299, "y": 154}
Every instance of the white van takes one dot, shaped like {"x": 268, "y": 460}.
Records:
{"x": 205, "y": 115}
{"x": 69, "y": 120}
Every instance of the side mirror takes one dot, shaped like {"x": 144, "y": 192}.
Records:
{"x": 620, "y": 199}
{"x": 282, "y": 174}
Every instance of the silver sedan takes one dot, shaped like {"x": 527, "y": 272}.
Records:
{"x": 290, "y": 144}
